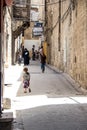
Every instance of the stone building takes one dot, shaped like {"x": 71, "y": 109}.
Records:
{"x": 33, "y": 35}
{"x": 10, "y": 30}
{"x": 38, "y": 15}
{"x": 20, "y": 21}
{"x": 66, "y": 34}
{"x": 7, "y": 35}
{"x": 5, "y": 42}
{"x": 40, "y": 5}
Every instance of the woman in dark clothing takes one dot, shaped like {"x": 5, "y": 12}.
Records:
{"x": 26, "y": 57}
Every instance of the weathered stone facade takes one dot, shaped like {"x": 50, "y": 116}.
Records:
{"x": 38, "y": 6}
{"x": 67, "y": 37}
{"x": 7, "y": 36}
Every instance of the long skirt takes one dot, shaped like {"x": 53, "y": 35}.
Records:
{"x": 26, "y": 60}
{"x": 26, "y": 83}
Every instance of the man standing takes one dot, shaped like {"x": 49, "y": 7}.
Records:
{"x": 43, "y": 61}
{"x": 33, "y": 52}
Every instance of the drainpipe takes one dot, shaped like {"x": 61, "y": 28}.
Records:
{"x": 1, "y": 43}
{"x": 45, "y": 8}
{"x": 28, "y": 10}
{"x": 13, "y": 49}
{"x": 59, "y": 38}
{"x": 46, "y": 33}
{"x": 0, "y": 70}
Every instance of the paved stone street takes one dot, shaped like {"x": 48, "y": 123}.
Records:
{"x": 55, "y": 102}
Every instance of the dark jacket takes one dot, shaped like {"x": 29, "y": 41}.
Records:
{"x": 43, "y": 59}
{"x": 26, "y": 57}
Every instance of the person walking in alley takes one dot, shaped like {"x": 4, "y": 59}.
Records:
{"x": 43, "y": 61}
{"x": 33, "y": 52}
{"x": 26, "y": 57}
{"x": 26, "y": 80}
{"x": 41, "y": 50}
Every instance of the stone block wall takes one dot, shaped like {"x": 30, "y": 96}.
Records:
{"x": 72, "y": 56}
{"x": 7, "y": 36}
{"x": 77, "y": 41}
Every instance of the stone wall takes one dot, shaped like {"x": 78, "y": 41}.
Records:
{"x": 79, "y": 43}
{"x": 7, "y": 36}
{"x": 72, "y": 56}
{"x": 76, "y": 47}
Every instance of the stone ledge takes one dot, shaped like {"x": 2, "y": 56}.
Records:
{"x": 6, "y": 120}
{"x": 6, "y": 117}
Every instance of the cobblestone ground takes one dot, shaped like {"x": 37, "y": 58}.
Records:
{"x": 55, "y": 103}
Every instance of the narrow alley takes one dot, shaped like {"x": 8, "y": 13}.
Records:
{"x": 49, "y": 38}
{"x": 55, "y": 102}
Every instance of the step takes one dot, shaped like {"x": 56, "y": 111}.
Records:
{"x": 6, "y": 120}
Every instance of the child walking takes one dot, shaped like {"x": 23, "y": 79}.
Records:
{"x": 26, "y": 80}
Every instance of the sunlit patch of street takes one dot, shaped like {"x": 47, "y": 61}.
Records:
{"x": 27, "y": 102}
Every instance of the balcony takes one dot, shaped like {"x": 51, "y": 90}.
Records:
{"x": 21, "y": 10}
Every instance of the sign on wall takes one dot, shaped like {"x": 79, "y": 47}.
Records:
{"x": 38, "y": 29}
{"x": 34, "y": 16}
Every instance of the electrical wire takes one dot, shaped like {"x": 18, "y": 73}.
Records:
{"x": 63, "y": 17}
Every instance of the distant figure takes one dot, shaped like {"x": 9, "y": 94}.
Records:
{"x": 26, "y": 57}
{"x": 43, "y": 61}
{"x": 37, "y": 54}
{"x": 33, "y": 52}
{"x": 26, "y": 80}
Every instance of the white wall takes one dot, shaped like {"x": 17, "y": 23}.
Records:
{"x": 29, "y": 43}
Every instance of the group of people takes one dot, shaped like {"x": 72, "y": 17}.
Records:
{"x": 42, "y": 57}
{"x": 35, "y": 53}
{"x": 26, "y": 57}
